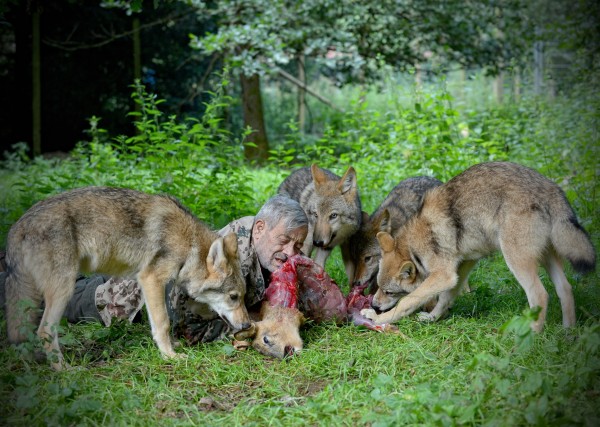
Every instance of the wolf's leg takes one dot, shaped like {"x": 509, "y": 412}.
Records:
{"x": 348, "y": 263}
{"x": 554, "y": 267}
{"x": 307, "y": 247}
{"x": 57, "y": 293}
{"x": 525, "y": 268}
{"x": 153, "y": 287}
{"x": 446, "y": 299}
{"x": 19, "y": 319}
{"x": 436, "y": 283}
{"x": 321, "y": 256}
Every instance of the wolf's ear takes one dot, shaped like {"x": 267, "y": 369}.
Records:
{"x": 348, "y": 181}
{"x": 300, "y": 318}
{"x": 408, "y": 271}
{"x": 230, "y": 244}
{"x": 385, "y": 223}
{"x": 365, "y": 217}
{"x": 318, "y": 175}
{"x": 246, "y": 333}
{"x": 386, "y": 241}
{"x": 216, "y": 261}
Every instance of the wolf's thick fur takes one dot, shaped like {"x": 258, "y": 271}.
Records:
{"x": 276, "y": 332}
{"x": 488, "y": 207}
{"x": 119, "y": 232}
{"x": 396, "y": 209}
{"x": 333, "y": 207}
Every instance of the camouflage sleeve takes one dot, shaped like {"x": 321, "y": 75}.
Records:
{"x": 118, "y": 298}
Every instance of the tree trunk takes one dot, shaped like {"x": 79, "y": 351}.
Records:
{"x": 252, "y": 106}
{"x": 36, "y": 83}
{"x": 301, "y": 94}
{"x": 499, "y": 87}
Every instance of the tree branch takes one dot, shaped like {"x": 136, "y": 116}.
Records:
{"x": 308, "y": 90}
{"x": 74, "y": 46}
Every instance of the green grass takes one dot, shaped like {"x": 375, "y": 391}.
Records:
{"x": 479, "y": 366}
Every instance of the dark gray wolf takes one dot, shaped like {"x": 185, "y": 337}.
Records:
{"x": 396, "y": 209}
{"x": 490, "y": 206}
{"x": 333, "y": 207}
{"x": 124, "y": 233}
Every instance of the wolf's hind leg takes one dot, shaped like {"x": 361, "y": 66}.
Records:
{"x": 554, "y": 267}
{"x": 525, "y": 269}
{"x": 19, "y": 318}
{"x": 57, "y": 292}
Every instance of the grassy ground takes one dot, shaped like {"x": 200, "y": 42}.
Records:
{"x": 461, "y": 371}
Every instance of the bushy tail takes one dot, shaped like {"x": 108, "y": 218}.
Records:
{"x": 573, "y": 243}
{"x": 22, "y": 309}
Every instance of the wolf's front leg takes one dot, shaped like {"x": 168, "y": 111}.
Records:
{"x": 321, "y": 256}
{"x": 154, "y": 294}
{"x": 433, "y": 285}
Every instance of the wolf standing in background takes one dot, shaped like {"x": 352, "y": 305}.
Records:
{"x": 396, "y": 209}
{"x": 120, "y": 232}
{"x": 490, "y": 206}
{"x": 333, "y": 207}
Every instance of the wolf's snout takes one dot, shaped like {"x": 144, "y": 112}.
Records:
{"x": 246, "y": 326}
{"x": 288, "y": 351}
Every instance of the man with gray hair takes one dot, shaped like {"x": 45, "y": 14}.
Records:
{"x": 265, "y": 242}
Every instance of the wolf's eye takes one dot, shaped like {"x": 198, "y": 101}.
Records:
{"x": 234, "y": 297}
{"x": 390, "y": 293}
{"x": 266, "y": 340}
{"x": 333, "y": 216}
{"x": 368, "y": 258}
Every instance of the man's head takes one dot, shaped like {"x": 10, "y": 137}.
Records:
{"x": 279, "y": 230}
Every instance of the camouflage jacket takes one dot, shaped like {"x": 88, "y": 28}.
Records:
{"x": 120, "y": 298}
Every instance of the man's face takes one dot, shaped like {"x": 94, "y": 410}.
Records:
{"x": 274, "y": 245}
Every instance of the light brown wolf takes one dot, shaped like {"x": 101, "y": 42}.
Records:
{"x": 333, "y": 207}
{"x": 488, "y": 207}
{"x": 120, "y": 232}
{"x": 276, "y": 331}
{"x": 396, "y": 209}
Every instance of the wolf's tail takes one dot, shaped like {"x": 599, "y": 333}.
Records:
{"x": 22, "y": 309}
{"x": 573, "y": 243}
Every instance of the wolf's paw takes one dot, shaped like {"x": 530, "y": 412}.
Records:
{"x": 369, "y": 313}
{"x": 425, "y": 317}
{"x": 174, "y": 356}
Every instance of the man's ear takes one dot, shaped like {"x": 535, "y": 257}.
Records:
{"x": 216, "y": 262}
{"x": 246, "y": 333}
{"x": 348, "y": 181}
{"x": 408, "y": 271}
{"x": 386, "y": 241}
{"x": 230, "y": 244}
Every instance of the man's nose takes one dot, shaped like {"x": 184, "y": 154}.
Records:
{"x": 290, "y": 250}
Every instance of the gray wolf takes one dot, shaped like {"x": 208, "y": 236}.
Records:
{"x": 396, "y": 209}
{"x": 121, "y": 232}
{"x": 333, "y": 207}
{"x": 490, "y": 206}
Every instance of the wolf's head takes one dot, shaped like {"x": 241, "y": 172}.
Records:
{"x": 224, "y": 288}
{"x": 335, "y": 211}
{"x": 364, "y": 248}
{"x": 398, "y": 275}
{"x": 277, "y": 334}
